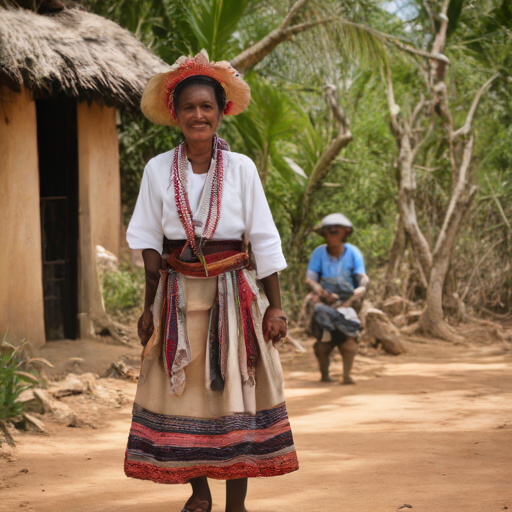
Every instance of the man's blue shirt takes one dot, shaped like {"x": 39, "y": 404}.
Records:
{"x": 350, "y": 263}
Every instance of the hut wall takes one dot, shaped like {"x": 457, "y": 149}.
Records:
{"x": 21, "y": 282}
{"x": 99, "y": 158}
{"x": 100, "y": 205}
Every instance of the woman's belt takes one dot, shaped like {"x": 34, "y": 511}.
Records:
{"x": 220, "y": 256}
{"x": 209, "y": 247}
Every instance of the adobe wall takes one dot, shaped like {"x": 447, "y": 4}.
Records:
{"x": 99, "y": 157}
{"x": 100, "y": 206}
{"x": 21, "y": 282}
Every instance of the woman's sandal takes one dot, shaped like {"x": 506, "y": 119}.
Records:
{"x": 202, "y": 506}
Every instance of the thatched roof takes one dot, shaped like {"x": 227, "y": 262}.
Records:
{"x": 82, "y": 54}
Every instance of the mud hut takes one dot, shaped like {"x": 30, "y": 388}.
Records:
{"x": 62, "y": 77}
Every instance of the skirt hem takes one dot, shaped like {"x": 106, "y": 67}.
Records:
{"x": 161, "y": 475}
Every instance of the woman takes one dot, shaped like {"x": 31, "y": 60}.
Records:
{"x": 210, "y": 401}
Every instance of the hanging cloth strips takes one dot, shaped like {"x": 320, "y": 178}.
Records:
{"x": 235, "y": 287}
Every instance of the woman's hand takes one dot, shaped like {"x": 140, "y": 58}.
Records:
{"x": 145, "y": 327}
{"x": 275, "y": 324}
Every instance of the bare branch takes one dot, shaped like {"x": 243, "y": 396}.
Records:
{"x": 417, "y": 110}
{"x": 440, "y": 39}
{"x": 393, "y": 40}
{"x": 293, "y": 12}
{"x": 460, "y": 187}
{"x": 392, "y": 106}
{"x": 337, "y": 111}
{"x": 442, "y": 105}
{"x": 464, "y": 130}
{"x": 324, "y": 162}
{"x": 418, "y": 145}
{"x": 258, "y": 51}
{"x": 301, "y": 27}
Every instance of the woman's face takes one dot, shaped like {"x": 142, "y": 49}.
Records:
{"x": 198, "y": 113}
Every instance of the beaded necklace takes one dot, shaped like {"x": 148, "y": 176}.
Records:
{"x": 211, "y": 201}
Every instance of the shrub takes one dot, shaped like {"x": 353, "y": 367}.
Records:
{"x": 16, "y": 376}
{"x": 122, "y": 289}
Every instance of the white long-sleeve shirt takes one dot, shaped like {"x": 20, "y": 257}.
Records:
{"x": 244, "y": 210}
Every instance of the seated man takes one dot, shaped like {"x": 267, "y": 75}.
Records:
{"x": 337, "y": 277}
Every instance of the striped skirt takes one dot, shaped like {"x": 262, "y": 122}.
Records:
{"x": 239, "y": 431}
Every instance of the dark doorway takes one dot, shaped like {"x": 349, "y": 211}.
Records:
{"x": 58, "y": 177}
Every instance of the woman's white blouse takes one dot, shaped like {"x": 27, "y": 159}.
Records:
{"x": 244, "y": 210}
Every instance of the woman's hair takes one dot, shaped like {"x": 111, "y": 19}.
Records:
{"x": 218, "y": 90}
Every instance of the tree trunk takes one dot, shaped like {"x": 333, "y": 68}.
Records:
{"x": 407, "y": 209}
{"x": 395, "y": 257}
{"x": 432, "y": 320}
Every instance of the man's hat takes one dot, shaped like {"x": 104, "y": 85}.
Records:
{"x": 334, "y": 219}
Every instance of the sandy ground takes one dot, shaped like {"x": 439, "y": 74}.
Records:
{"x": 431, "y": 429}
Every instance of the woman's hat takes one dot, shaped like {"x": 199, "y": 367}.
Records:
{"x": 334, "y": 219}
{"x": 157, "y": 99}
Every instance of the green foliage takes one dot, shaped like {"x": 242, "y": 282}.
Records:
{"x": 139, "y": 141}
{"x": 122, "y": 289}
{"x": 288, "y": 123}
{"x": 16, "y": 375}
{"x": 213, "y": 23}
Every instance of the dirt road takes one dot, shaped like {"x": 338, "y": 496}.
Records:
{"x": 431, "y": 429}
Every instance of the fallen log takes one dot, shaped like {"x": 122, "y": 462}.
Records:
{"x": 379, "y": 327}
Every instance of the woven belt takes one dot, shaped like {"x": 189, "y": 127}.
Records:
{"x": 220, "y": 256}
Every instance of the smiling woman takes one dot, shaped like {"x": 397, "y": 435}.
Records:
{"x": 199, "y": 103}
{"x": 210, "y": 399}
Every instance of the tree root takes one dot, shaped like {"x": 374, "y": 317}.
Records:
{"x": 442, "y": 331}
{"x": 463, "y": 333}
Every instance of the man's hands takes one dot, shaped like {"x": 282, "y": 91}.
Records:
{"x": 275, "y": 325}
{"x": 145, "y": 327}
{"x": 358, "y": 293}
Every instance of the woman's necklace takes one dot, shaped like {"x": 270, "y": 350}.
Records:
{"x": 211, "y": 202}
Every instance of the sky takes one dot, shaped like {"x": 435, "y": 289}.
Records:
{"x": 402, "y": 8}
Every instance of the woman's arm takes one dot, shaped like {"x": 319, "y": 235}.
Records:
{"x": 272, "y": 290}
{"x": 275, "y": 322}
{"x": 152, "y": 265}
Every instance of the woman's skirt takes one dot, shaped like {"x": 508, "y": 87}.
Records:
{"x": 239, "y": 431}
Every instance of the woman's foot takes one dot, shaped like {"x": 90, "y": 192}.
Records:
{"x": 196, "y": 505}
{"x": 201, "y": 499}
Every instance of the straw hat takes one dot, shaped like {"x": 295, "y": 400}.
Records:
{"x": 157, "y": 98}
{"x": 334, "y": 219}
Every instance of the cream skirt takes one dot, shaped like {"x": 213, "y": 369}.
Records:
{"x": 240, "y": 431}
